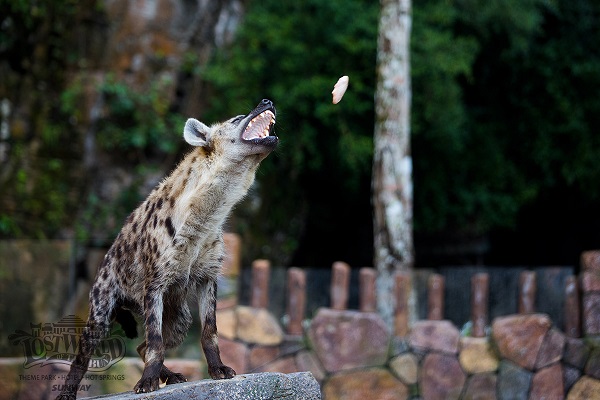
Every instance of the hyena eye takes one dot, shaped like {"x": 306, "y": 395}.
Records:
{"x": 236, "y": 120}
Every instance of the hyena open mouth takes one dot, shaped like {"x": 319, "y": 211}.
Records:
{"x": 259, "y": 129}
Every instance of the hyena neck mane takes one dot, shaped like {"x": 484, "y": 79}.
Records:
{"x": 208, "y": 184}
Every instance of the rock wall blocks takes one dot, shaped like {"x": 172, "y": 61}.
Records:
{"x": 514, "y": 382}
{"x": 257, "y": 326}
{"x": 406, "y": 368}
{"x": 435, "y": 336}
{"x": 481, "y": 387}
{"x": 547, "y": 383}
{"x": 520, "y": 337}
{"x": 345, "y": 339}
{"x": 585, "y": 388}
{"x": 552, "y": 348}
{"x": 477, "y": 355}
{"x": 373, "y": 383}
{"x": 441, "y": 378}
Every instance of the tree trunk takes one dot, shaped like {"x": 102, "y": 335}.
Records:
{"x": 392, "y": 163}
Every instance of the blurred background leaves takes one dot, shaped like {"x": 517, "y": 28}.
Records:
{"x": 505, "y": 122}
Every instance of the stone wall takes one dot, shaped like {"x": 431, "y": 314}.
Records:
{"x": 354, "y": 355}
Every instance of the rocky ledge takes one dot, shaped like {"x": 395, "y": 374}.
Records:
{"x": 266, "y": 385}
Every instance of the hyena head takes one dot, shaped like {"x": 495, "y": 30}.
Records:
{"x": 237, "y": 138}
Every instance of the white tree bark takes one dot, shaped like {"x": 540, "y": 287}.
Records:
{"x": 392, "y": 163}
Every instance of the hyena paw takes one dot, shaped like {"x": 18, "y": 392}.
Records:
{"x": 175, "y": 377}
{"x": 221, "y": 372}
{"x": 147, "y": 384}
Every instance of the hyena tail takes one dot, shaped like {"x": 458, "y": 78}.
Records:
{"x": 125, "y": 319}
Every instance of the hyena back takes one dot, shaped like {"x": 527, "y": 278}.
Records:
{"x": 172, "y": 245}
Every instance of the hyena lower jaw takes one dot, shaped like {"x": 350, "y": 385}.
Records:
{"x": 172, "y": 244}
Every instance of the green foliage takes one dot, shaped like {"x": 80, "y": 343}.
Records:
{"x": 40, "y": 195}
{"x": 440, "y": 135}
{"x": 505, "y": 112}
{"x": 501, "y": 112}
{"x": 293, "y": 53}
{"x": 136, "y": 129}
{"x": 466, "y": 180}
{"x": 25, "y": 24}
{"x": 98, "y": 215}
{"x": 39, "y": 180}
{"x": 555, "y": 94}
{"x": 137, "y": 121}
{"x": 510, "y": 21}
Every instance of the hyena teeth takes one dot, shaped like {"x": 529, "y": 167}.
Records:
{"x": 259, "y": 126}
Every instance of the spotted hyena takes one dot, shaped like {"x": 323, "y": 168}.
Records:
{"x": 172, "y": 245}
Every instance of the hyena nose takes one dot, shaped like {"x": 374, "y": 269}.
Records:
{"x": 266, "y": 102}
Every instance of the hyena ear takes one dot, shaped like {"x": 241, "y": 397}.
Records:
{"x": 196, "y": 133}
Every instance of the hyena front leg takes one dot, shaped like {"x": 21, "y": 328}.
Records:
{"x": 209, "y": 339}
{"x": 166, "y": 375}
{"x": 175, "y": 324}
{"x": 154, "y": 350}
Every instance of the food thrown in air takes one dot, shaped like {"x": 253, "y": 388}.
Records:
{"x": 339, "y": 89}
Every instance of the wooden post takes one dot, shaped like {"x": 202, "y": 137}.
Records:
{"x": 296, "y": 300}
{"x": 231, "y": 262}
{"x": 589, "y": 285}
{"x": 435, "y": 297}
{"x": 340, "y": 284}
{"x": 572, "y": 308}
{"x": 479, "y": 303}
{"x": 260, "y": 283}
{"x": 368, "y": 299}
{"x": 527, "y": 289}
{"x": 401, "y": 289}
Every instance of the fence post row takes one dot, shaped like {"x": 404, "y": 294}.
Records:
{"x": 340, "y": 283}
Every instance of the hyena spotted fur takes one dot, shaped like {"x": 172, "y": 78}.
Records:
{"x": 172, "y": 245}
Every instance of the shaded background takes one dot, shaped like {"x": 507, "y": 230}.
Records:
{"x": 505, "y": 122}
